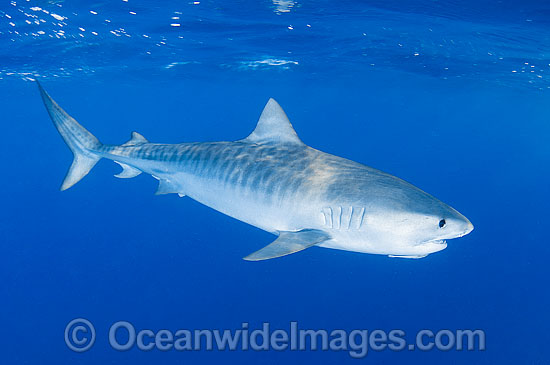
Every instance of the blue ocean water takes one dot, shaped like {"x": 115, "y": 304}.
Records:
{"x": 451, "y": 96}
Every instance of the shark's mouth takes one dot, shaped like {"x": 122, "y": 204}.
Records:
{"x": 433, "y": 242}
{"x": 423, "y": 249}
{"x": 433, "y": 246}
{"x": 436, "y": 246}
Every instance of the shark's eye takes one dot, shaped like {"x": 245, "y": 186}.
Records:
{"x": 442, "y": 223}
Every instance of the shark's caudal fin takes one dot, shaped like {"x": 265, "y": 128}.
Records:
{"x": 82, "y": 143}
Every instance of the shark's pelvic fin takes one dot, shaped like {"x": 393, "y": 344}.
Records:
{"x": 127, "y": 171}
{"x": 273, "y": 126}
{"x": 167, "y": 187}
{"x": 82, "y": 143}
{"x": 136, "y": 140}
{"x": 289, "y": 242}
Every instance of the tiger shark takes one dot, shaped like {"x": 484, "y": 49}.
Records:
{"x": 273, "y": 181}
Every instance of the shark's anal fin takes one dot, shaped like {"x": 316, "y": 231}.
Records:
{"x": 289, "y": 242}
{"x": 167, "y": 187}
{"x": 127, "y": 171}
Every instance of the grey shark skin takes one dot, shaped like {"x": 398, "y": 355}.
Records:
{"x": 275, "y": 182}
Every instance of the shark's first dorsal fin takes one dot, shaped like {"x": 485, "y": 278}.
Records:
{"x": 136, "y": 139}
{"x": 273, "y": 126}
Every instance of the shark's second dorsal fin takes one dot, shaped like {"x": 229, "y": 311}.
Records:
{"x": 136, "y": 139}
{"x": 273, "y": 126}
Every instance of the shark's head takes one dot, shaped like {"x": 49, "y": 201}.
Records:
{"x": 427, "y": 230}
{"x": 414, "y": 223}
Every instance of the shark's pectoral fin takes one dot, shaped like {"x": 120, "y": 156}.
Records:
{"x": 167, "y": 187}
{"x": 289, "y": 242}
{"x": 127, "y": 171}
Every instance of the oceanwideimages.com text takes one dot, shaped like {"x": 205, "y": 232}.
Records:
{"x": 80, "y": 336}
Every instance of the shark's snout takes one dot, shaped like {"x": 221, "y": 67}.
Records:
{"x": 464, "y": 224}
{"x": 459, "y": 226}
{"x": 469, "y": 227}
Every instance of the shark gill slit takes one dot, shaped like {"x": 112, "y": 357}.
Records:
{"x": 362, "y": 217}
{"x": 350, "y": 217}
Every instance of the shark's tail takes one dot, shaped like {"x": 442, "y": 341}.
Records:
{"x": 82, "y": 143}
